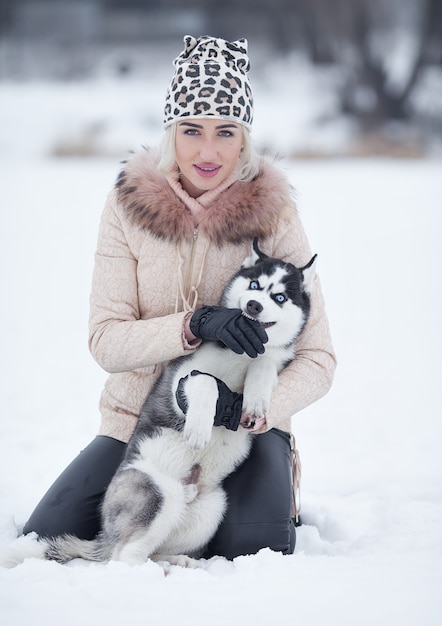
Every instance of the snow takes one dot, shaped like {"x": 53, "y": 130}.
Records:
{"x": 370, "y": 548}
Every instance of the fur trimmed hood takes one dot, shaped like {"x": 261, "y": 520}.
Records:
{"x": 239, "y": 213}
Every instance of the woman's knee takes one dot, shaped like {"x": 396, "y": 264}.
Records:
{"x": 72, "y": 503}
{"x": 260, "y": 496}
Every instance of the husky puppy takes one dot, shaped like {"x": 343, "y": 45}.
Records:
{"x": 166, "y": 501}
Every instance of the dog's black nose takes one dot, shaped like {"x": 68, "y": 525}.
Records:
{"x": 253, "y": 308}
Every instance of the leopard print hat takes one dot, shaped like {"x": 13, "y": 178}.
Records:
{"x": 210, "y": 81}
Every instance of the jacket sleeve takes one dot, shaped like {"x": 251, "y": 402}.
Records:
{"x": 118, "y": 339}
{"x": 310, "y": 375}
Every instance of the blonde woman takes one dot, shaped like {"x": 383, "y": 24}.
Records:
{"x": 178, "y": 223}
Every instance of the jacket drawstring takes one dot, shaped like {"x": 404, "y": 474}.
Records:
{"x": 189, "y": 302}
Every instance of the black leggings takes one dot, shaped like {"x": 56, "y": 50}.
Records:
{"x": 259, "y": 496}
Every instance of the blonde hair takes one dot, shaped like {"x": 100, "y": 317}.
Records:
{"x": 248, "y": 162}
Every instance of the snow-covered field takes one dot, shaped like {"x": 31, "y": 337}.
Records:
{"x": 370, "y": 549}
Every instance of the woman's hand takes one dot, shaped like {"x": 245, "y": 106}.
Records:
{"x": 252, "y": 423}
{"x": 235, "y": 330}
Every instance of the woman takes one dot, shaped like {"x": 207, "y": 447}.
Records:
{"x": 177, "y": 225}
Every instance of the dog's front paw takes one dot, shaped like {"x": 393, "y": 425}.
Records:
{"x": 256, "y": 406}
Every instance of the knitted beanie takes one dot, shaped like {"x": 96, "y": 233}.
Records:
{"x": 210, "y": 81}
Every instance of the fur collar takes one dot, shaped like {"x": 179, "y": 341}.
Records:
{"x": 239, "y": 213}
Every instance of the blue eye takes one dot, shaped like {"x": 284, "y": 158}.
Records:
{"x": 254, "y": 284}
{"x": 280, "y": 298}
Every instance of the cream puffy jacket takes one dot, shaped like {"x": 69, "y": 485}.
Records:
{"x": 161, "y": 254}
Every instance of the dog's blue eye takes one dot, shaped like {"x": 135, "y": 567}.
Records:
{"x": 254, "y": 284}
{"x": 280, "y": 298}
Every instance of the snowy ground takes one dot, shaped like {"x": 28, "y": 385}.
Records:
{"x": 370, "y": 549}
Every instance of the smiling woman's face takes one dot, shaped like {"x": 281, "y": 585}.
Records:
{"x": 206, "y": 152}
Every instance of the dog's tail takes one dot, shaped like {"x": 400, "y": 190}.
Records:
{"x": 21, "y": 548}
{"x": 67, "y": 547}
{"x": 61, "y": 549}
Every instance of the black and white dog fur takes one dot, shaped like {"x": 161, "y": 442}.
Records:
{"x": 166, "y": 501}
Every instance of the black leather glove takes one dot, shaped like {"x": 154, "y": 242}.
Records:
{"x": 228, "y": 407}
{"x": 231, "y": 327}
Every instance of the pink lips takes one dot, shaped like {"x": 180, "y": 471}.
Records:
{"x": 207, "y": 170}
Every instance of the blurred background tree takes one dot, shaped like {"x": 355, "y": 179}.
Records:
{"x": 378, "y": 51}
{"x": 382, "y": 48}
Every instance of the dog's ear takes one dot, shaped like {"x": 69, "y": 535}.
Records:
{"x": 308, "y": 274}
{"x": 256, "y": 256}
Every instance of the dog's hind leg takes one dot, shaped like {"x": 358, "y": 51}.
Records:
{"x": 202, "y": 518}
{"x": 141, "y": 513}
